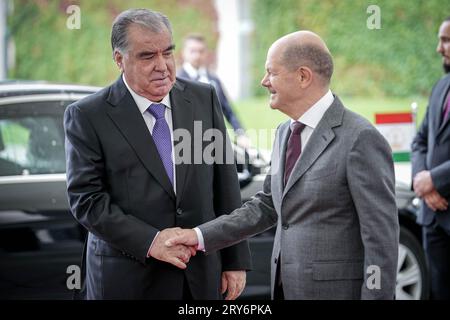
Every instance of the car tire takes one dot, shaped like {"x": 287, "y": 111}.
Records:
{"x": 412, "y": 273}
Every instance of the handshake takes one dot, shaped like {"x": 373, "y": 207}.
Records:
{"x": 175, "y": 246}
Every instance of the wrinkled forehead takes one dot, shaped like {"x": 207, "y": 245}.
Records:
{"x": 139, "y": 36}
{"x": 274, "y": 54}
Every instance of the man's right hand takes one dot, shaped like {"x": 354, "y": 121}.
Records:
{"x": 187, "y": 237}
{"x": 178, "y": 254}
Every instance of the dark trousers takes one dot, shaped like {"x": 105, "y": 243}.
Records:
{"x": 436, "y": 242}
{"x": 278, "y": 293}
{"x": 187, "y": 295}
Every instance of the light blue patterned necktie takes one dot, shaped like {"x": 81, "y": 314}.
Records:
{"x": 161, "y": 137}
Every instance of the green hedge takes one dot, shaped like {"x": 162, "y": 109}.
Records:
{"x": 397, "y": 60}
{"x": 47, "y": 50}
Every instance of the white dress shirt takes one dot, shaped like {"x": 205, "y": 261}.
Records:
{"x": 313, "y": 115}
{"x": 143, "y": 104}
{"x": 310, "y": 119}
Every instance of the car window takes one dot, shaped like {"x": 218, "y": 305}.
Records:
{"x": 31, "y": 139}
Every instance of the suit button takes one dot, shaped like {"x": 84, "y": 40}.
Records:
{"x": 285, "y": 226}
{"x": 179, "y": 211}
{"x": 275, "y": 260}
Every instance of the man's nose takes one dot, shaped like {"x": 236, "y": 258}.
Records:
{"x": 160, "y": 64}
{"x": 264, "y": 81}
{"x": 440, "y": 48}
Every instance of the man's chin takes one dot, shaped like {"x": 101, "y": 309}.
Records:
{"x": 272, "y": 104}
{"x": 446, "y": 67}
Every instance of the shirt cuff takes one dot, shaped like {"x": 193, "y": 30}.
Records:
{"x": 148, "y": 252}
{"x": 201, "y": 242}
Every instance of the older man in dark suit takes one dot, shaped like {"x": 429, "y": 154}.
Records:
{"x": 126, "y": 184}
{"x": 431, "y": 172}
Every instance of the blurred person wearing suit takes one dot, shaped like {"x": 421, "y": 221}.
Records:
{"x": 126, "y": 185}
{"x": 330, "y": 191}
{"x": 431, "y": 172}
{"x": 195, "y": 68}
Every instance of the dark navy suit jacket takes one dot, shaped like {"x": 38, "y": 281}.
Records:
{"x": 431, "y": 151}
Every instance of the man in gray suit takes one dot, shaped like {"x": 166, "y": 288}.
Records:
{"x": 337, "y": 226}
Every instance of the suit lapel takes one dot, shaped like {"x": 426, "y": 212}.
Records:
{"x": 277, "y": 163}
{"x": 438, "y": 116}
{"x": 128, "y": 119}
{"x": 321, "y": 137}
{"x": 183, "y": 118}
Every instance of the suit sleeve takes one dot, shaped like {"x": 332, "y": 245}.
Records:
{"x": 89, "y": 200}
{"x": 255, "y": 216}
{"x": 440, "y": 176}
{"x": 226, "y": 193}
{"x": 371, "y": 180}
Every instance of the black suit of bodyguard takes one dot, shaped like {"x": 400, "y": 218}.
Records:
{"x": 119, "y": 191}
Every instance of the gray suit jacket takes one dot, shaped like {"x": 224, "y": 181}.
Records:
{"x": 336, "y": 216}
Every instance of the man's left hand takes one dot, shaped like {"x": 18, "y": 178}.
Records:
{"x": 435, "y": 201}
{"x": 233, "y": 282}
{"x": 423, "y": 183}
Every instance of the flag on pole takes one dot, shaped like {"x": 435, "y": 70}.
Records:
{"x": 399, "y": 131}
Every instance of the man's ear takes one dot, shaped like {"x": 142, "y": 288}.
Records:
{"x": 118, "y": 58}
{"x": 305, "y": 76}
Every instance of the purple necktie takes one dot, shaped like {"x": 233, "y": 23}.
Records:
{"x": 294, "y": 149}
{"x": 161, "y": 137}
{"x": 446, "y": 110}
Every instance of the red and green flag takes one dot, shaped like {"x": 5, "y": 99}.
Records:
{"x": 399, "y": 130}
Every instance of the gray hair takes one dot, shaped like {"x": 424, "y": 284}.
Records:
{"x": 314, "y": 57}
{"x": 153, "y": 20}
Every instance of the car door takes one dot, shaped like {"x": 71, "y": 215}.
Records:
{"x": 39, "y": 238}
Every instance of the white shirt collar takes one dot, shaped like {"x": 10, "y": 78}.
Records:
{"x": 192, "y": 72}
{"x": 142, "y": 102}
{"x": 313, "y": 115}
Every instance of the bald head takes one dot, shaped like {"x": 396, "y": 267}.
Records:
{"x": 305, "y": 48}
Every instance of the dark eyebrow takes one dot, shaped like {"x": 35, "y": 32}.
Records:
{"x": 149, "y": 53}
{"x": 170, "y": 48}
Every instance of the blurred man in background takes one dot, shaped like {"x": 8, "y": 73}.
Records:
{"x": 431, "y": 172}
{"x": 195, "y": 68}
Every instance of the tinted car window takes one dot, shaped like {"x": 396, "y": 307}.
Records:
{"x": 31, "y": 138}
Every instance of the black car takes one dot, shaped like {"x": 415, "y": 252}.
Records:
{"x": 40, "y": 241}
